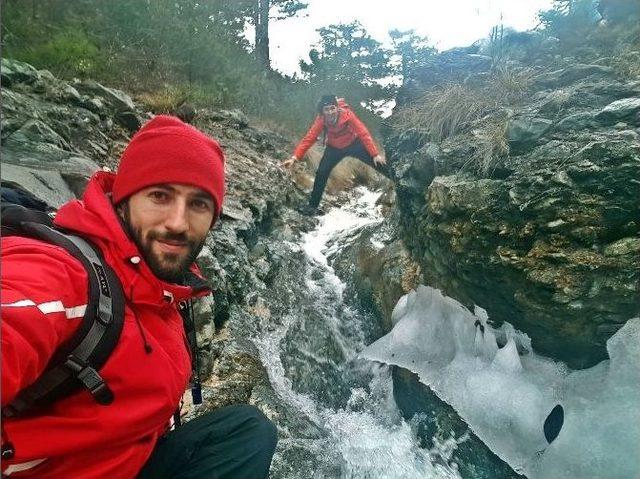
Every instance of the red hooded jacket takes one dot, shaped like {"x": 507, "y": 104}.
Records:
{"x": 44, "y": 294}
{"x": 347, "y": 128}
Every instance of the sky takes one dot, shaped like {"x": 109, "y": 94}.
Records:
{"x": 447, "y": 23}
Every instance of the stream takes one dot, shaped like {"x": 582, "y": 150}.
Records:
{"x": 345, "y": 421}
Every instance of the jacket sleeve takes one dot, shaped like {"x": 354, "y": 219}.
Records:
{"x": 310, "y": 138}
{"x": 365, "y": 137}
{"x": 44, "y": 296}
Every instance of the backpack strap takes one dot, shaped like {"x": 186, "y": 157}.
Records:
{"x": 186, "y": 311}
{"x": 76, "y": 364}
{"x": 14, "y": 216}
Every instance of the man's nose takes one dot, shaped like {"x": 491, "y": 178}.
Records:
{"x": 177, "y": 220}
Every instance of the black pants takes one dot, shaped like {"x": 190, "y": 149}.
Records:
{"x": 331, "y": 157}
{"x": 234, "y": 442}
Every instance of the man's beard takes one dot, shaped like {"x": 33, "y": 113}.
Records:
{"x": 171, "y": 268}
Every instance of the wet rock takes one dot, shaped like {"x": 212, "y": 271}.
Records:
{"x": 231, "y": 117}
{"x": 17, "y": 72}
{"x": 49, "y": 186}
{"x": 377, "y": 269}
{"x": 522, "y": 132}
{"x": 453, "y": 195}
{"x": 572, "y": 74}
{"x": 186, "y": 112}
{"x": 129, "y": 120}
{"x": 119, "y": 100}
{"x": 415, "y": 173}
{"x": 625, "y": 246}
{"x": 577, "y": 121}
{"x": 435, "y": 420}
{"x": 627, "y": 109}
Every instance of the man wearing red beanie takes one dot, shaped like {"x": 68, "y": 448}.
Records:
{"x": 149, "y": 221}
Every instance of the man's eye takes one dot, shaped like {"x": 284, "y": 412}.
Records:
{"x": 159, "y": 195}
{"x": 202, "y": 205}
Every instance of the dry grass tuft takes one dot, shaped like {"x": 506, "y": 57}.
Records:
{"x": 627, "y": 63}
{"x": 445, "y": 111}
{"x": 509, "y": 85}
{"x": 491, "y": 147}
{"x": 167, "y": 100}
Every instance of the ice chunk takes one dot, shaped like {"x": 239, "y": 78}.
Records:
{"x": 507, "y": 359}
{"x": 545, "y": 420}
{"x": 399, "y": 310}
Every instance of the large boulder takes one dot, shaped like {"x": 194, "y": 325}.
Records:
{"x": 627, "y": 109}
{"x": 523, "y": 132}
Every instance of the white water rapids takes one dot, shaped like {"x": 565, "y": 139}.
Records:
{"x": 311, "y": 360}
{"x": 339, "y": 389}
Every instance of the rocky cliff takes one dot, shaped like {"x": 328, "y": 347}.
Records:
{"x": 517, "y": 188}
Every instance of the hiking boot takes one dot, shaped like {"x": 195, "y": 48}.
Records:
{"x": 308, "y": 210}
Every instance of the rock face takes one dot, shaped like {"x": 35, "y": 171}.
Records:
{"x": 547, "y": 236}
{"x": 378, "y": 270}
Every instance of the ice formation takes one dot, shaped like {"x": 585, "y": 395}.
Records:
{"x": 506, "y": 393}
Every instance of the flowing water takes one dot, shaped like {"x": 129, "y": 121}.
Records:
{"x": 346, "y": 423}
{"x": 336, "y": 410}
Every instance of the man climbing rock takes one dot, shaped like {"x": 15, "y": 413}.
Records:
{"x": 147, "y": 222}
{"x": 344, "y": 135}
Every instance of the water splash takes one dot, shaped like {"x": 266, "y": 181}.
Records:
{"x": 311, "y": 360}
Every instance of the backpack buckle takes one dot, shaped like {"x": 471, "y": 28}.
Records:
{"x": 90, "y": 379}
{"x": 8, "y": 451}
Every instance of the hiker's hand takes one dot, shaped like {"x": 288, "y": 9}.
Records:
{"x": 289, "y": 163}
{"x": 379, "y": 160}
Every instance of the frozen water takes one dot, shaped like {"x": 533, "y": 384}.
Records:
{"x": 506, "y": 393}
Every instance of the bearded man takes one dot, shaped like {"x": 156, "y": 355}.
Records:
{"x": 149, "y": 221}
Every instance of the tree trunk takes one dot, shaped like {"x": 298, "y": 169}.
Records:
{"x": 261, "y": 19}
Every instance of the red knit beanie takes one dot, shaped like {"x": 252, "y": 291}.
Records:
{"x": 166, "y": 150}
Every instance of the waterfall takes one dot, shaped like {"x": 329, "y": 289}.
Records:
{"x": 347, "y": 424}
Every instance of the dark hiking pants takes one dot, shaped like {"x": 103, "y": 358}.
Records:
{"x": 331, "y": 157}
{"x": 234, "y": 442}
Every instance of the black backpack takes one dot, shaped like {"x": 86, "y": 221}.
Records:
{"x": 76, "y": 363}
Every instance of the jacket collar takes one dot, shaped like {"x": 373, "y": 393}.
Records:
{"x": 94, "y": 217}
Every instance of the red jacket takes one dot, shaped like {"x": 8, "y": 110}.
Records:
{"x": 44, "y": 292}
{"x": 342, "y": 134}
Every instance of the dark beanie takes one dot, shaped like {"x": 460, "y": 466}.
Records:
{"x": 166, "y": 150}
{"x": 327, "y": 100}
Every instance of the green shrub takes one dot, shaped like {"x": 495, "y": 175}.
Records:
{"x": 68, "y": 52}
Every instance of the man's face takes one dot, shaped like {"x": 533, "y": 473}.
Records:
{"x": 330, "y": 113}
{"x": 169, "y": 223}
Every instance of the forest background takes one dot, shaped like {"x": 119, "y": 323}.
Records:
{"x": 170, "y": 52}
